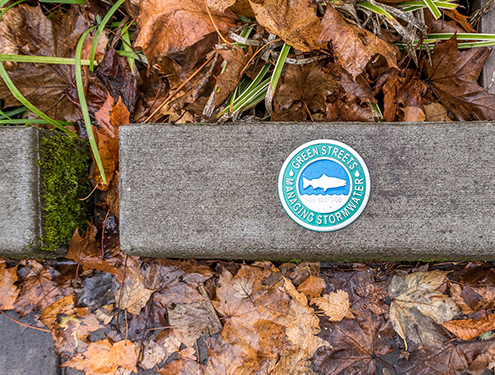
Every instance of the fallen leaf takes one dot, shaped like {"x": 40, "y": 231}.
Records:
{"x": 25, "y": 30}
{"x": 191, "y": 321}
{"x": 461, "y": 19}
{"x": 132, "y": 296}
{"x": 476, "y": 290}
{"x": 64, "y": 305}
{"x": 224, "y": 358}
{"x": 468, "y": 329}
{"x": 8, "y": 291}
{"x": 436, "y": 112}
{"x": 86, "y": 250}
{"x": 416, "y": 305}
{"x": 453, "y": 75}
{"x": 96, "y": 291}
{"x": 294, "y": 21}
{"x": 153, "y": 355}
{"x": 170, "y": 26}
{"x": 312, "y": 287}
{"x": 352, "y": 46}
{"x": 38, "y": 290}
{"x": 102, "y": 357}
{"x": 298, "y": 273}
{"x": 181, "y": 367}
{"x": 303, "y": 88}
{"x": 335, "y": 305}
{"x": 485, "y": 360}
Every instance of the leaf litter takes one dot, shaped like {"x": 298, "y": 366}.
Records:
{"x": 112, "y": 313}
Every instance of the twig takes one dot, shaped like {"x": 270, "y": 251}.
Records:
{"x": 167, "y": 100}
{"x": 103, "y": 235}
{"x": 254, "y": 55}
{"x": 25, "y": 325}
{"x": 216, "y": 28}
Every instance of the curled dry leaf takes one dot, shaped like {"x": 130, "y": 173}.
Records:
{"x": 8, "y": 291}
{"x": 335, "y": 305}
{"x": 468, "y": 329}
{"x": 352, "y": 46}
{"x": 294, "y": 21}
{"x": 170, "y": 26}
{"x": 103, "y": 357}
{"x": 417, "y": 305}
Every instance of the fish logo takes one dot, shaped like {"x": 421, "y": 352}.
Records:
{"x": 324, "y": 182}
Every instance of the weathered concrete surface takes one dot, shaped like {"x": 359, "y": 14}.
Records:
{"x": 20, "y": 215}
{"x": 487, "y": 27}
{"x": 200, "y": 191}
{"x": 25, "y": 351}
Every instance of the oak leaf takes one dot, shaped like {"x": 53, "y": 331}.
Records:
{"x": 352, "y": 46}
{"x": 294, "y": 21}
{"x": 417, "y": 304}
{"x": 8, "y": 291}
{"x": 335, "y": 305}
{"x": 453, "y": 75}
{"x": 103, "y": 357}
{"x": 468, "y": 329}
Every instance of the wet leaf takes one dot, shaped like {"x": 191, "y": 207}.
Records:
{"x": 132, "y": 296}
{"x": 334, "y": 305}
{"x": 352, "y": 46}
{"x": 476, "y": 290}
{"x": 153, "y": 354}
{"x": 453, "y": 75}
{"x": 486, "y": 360}
{"x": 86, "y": 250}
{"x": 312, "y": 287}
{"x": 38, "y": 291}
{"x": 102, "y": 357}
{"x": 294, "y": 21}
{"x": 8, "y": 291}
{"x": 468, "y": 329}
{"x": 64, "y": 305}
{"x": 25, "y": 30}
{"x": 417, "y": 305}
{"x": 170, "y": 26}
{"x": 181, "y": 366}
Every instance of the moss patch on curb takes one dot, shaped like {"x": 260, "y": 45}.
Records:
{"x": 64, "y": 163}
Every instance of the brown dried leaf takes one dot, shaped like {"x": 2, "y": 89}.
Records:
{"x": 64, "y": 305}
{"x": 8, "y": 291}
{"x": 312, "y": 287}
{"x": 416, "y": 305}
{"x": 353, "y": 47}
{"x": 134, "y": 295}
{"x": 38, "y": 291}
{"x": 170, "y": 26}
{"x": 86, "y": 250}
{"x": 181, "y": 367}
{"x": 102, "y": 357}
{"x": 468, "y": 329}
{"x": 476, "y": 291}
{"x": 153, "y": 354}
{"x": 486, "y": 360}
{"x": 25, "y": 30}
{"x": 453, "y": 75}
{"x": 335, "y": 305}
{"x": 294, "y": 21}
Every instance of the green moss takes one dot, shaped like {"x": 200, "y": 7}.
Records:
{"x": 64, "y": 163}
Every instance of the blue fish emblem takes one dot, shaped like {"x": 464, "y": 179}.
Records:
{"x": 324, "y": 182}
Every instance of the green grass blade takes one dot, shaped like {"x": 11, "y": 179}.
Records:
{"x": 127, "y": 47}
{"x": 84, "y": 106}
{"x": 277, "y": 72}
{"x": 462, "y": 36}
{"x": 40, "y": 59}
{"x": 3, "y": 2}
{"x": 433, "y": 9}
{"x": 17, "y": 94}
{"x": 99, "y": 31}
{"x": 30, "y": 121}
{"x": 12, "y": 113}
{"x": 374, "y": 8}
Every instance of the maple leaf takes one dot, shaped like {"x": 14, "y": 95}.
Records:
{"x": 102, "y": 357}
{"x": 86, "y": 250}
{"x": 25, "y": 30}
{"x": 224, "y": 358}
{"x": 416, "y": 305}
{"x": 453, "y": 75}
{"x": 170, "y": 26}
{"x": 133, "y": 294}
{"x": 356, "y": 345}
{"x": 468, "y": 329}
{"x": 303, "y": 88}
{"x": 294, "y": 21}
{"x": 352, "y": 46}
{"x": 334, "y": 305}
{"x": 8, "y": 291}
{"x": 38, "y": 290}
